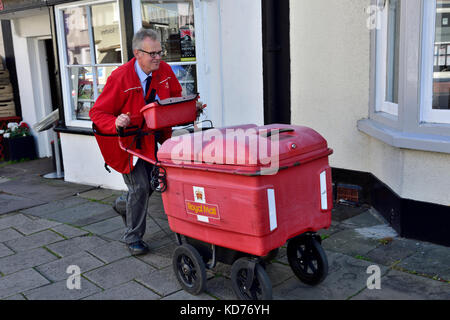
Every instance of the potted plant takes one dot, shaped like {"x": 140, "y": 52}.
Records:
{"x": 18, "y": 142}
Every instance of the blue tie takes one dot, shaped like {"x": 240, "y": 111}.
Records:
{"x": 147, "y": 85}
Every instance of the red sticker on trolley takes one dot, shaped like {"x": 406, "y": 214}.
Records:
{"x": 202, "y": 209}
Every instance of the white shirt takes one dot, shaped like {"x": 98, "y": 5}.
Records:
{"x": 142, "y": 77}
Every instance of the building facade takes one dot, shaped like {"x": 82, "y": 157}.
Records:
{"x": 369, "y": 75}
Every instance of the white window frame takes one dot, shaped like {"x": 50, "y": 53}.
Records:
{"x": 65, "y": 81}
{"x": 428, "y": 114}
{"x": 412, "y": 128}
{"x": 381, "y": 56}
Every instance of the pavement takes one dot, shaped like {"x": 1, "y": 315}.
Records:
{"x": 47, "y": 226}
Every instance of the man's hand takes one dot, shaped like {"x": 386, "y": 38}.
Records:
{"x": 123, "y": 120}
{"x": 200, "y": 106}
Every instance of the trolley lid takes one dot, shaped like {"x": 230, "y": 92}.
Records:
{"x": 246, "y": 145}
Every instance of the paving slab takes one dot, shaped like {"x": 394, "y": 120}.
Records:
{"x": 350, "y": 242}
{"x": 68, "y": 231}
{"x": 393, "y": 251}
{"x": 430, "y": 259}
{"x": 99, "y": 194}
{"x": 9, "y": 234}
{"x": 220, "y": 288}
{"x": 160, "y": 258}
{"x": 35, "y": 240}
{"x": 16, "y": 297}
{"x": 346, "y": 277}
{"x": 59, "y": 291}
{"x": 163, "y": 282}
{"x": 76, "y": 245}
{"x": 279, "y": 273}
{"x": 42, "y": 190}
{"x": 56, "y": 270}
{"x": 119, "y": 272}
{"x": 84, "y": 214}
{"x": 12, "y": 220}
{"x": 35, "y": 226}
{"x": 47, "y": 209}
{"x": 127, "y": 291}
{"x": 106, "y": 226}
{"x": 110, "y": 252}
{"x": 5, "y": 251}
{"x": 25, "y": 260}
{"x": 396, "y": 285}
{"x": 11, "y": 202}
{"x": 369, "y": 218}
{"x": 20, "y": 281}
{"x": 183, "y": 295}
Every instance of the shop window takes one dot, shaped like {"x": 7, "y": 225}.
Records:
{"x": 174, "y": 22}
{"x": 90, "y": 49}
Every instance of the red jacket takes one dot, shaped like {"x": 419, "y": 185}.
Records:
{"x": 123, "y": 93}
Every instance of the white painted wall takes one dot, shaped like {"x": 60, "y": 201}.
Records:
{"x": 83, "y": 163}
{"x": 330, "y": 65}
{"x": 32, "y": 76}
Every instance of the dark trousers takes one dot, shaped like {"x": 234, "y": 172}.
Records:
{"x": 139, "y": 191}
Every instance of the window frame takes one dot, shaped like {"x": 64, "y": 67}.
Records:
{"x": 381, "y": 105}
{"x": 65, "y": 67}
{"x": 407, "y": 130}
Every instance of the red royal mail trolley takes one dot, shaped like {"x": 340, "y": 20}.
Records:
{"x": 237, "y": 194}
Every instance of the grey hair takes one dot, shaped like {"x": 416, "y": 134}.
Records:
{"x": 141, "y": 35}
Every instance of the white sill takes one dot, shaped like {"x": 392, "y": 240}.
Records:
{"x": 406, "y": 140}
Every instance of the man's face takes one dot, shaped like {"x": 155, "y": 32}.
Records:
{"x": 146, "y": 62}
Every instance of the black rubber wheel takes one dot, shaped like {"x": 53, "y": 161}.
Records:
{"x": 189, "y": 269}
{"x": 307, "y": 259}
{"x": 261, "y": 287}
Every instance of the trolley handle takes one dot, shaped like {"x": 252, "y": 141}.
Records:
{"x": 121, "y": 131}
{"x": 278, "y": 131}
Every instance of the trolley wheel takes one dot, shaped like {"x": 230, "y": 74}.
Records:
{"x": 307, "y": 259}
{"x": 189, "y": 269}
{"x": 250, "y": 281}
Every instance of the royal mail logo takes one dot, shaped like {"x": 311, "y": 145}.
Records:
{"x": 199, "y": 194}
{"x": 202, "y": 209}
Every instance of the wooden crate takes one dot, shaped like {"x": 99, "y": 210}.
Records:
{"x": 7, "y": 109}
{"x": 6, "y": 97}
{"x": 5, "y": 89}
{"x": 4, "y": 77}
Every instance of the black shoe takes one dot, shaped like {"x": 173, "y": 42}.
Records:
{"x": 138, "y": 248}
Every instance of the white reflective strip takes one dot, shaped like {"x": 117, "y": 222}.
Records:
{"x": 272, "y": 209}
{"x": 323, "y": 190}
{"x": 202, "y": 218}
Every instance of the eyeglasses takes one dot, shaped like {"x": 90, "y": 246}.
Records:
{"x": 154, "y": 53}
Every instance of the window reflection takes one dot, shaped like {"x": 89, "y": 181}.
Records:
{"x": 393, "y": 30}
{"x": 105, "y": 23}
{"x": 77, "y": 35}
{"x": 174, "y": 22}
{"x": 82, "y": 91}
{"x": 186, "y": 75}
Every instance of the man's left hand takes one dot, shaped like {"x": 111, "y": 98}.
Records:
{"x": 200, "y": 106}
